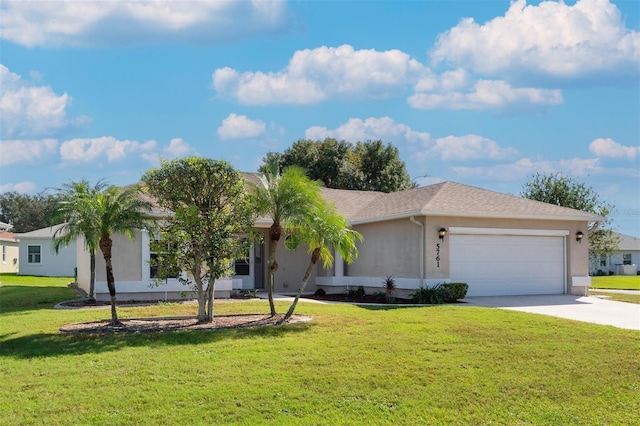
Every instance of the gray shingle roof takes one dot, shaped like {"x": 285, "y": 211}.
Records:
{"x": 41, "y": 233}
{"x": 628, "y": 242}
{"x": 446, "y": 199}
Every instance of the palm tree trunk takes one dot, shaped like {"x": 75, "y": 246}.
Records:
{"x": 312, "y": 263}
{"x": 274, "y": 236}
{"x": 92, "y": 278}
{"x": 105, "y": 246}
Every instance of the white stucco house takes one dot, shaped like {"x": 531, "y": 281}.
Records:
{"x": 8, "y": 251}
{"x": 448, "y": 232}
{"x": 37, "y": 257}
{"x": 626, "y": 261}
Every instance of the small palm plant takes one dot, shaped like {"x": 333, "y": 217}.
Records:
{"x": 389, "y": 284}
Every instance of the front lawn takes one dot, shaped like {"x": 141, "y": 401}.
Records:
{"x": 352, "y": 365}
{"x": 618, "y": 282}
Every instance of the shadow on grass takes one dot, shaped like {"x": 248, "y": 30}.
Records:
{"x": 56, "y": 344}
{"x": 17, "y": 298}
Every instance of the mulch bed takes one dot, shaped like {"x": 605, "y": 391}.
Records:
{"x": 141, "y": 325}
{"x": 367, "y": 298}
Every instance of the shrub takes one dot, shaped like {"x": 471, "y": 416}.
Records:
{"x": 359, "y": 291}
{"x": 380, "y": 296}
{"x": 435, "y": 295}
{"x": 389, "y": 285}
{"x": 320, "y": 292}
{"x": 455, "y": 291}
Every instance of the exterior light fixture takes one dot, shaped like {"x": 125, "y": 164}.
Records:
{"x": 579, "y": 236}
{"x": 441, "y": 233}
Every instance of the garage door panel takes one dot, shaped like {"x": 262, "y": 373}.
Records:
{"x": 495, "y": 265}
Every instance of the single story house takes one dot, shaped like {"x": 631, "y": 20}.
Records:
{"x": 448, "y": 232}
{"x": 626, "y": 261}
{"x": 36, "y": 255}
{"x": 9, "y": 250}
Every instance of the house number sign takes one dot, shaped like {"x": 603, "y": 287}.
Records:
{"x": 438, "y": 255}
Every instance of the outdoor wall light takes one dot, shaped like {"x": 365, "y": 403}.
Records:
{"x": 441, "y": 233}
{"x": 579, "y": 236}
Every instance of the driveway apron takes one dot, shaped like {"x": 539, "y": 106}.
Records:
{"x": 579, "y": 308}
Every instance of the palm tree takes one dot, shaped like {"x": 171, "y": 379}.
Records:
{"x": 283, "y": 197}
{"x": 322, "y": 231}
{"x": 118, "y": 211}
{"x": 75, "y": 207}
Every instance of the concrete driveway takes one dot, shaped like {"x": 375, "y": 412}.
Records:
{"x": 587, "y": 309}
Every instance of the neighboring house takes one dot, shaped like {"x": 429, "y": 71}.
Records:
{"x": 8, "y": 251}
{"x": 37, "y": 257}
{"x": 626, "y": 261}
{"x": 448, "y": 232}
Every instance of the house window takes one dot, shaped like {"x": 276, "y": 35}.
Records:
{"x": 4, "y": 254}
{"x": 626, "y": 259}
{"x": 241, "y": 266}
{"x": 156, "y": 268}
{"x": 33, "y": 254}
{"x": 603, "y": 260}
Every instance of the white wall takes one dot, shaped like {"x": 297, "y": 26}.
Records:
{"x": 51, "y": 264}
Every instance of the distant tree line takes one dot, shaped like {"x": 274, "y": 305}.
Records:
{"x": 364, "y": 166}
{"x": 27, "y": 212}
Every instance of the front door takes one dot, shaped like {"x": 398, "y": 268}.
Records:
{"x": 258, "y": 266}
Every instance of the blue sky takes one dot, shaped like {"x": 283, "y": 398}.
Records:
{"x": 485, "y": 93}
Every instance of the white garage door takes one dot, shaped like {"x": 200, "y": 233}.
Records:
{"x": 502, "y": 265}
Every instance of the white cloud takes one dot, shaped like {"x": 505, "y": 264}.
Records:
{"x": 612, "y": 149}
{"x": 240, "y": 127}
{"x": 177, "y": 148}
{"x": 31, "y": 111}
{"x": 469, "y": 147}
{"x": 552, "y": 39}
{"x": 24, "y": 187}
{"x": 89, "y": 23}
{"x": 372, "y": 128}
{"x": 483, "y": 95}
{"x": 314, "y": 75}
{"x": 85, "y": 150}
{"x": 525, "y": 167}
{"x": 26, "y": 151}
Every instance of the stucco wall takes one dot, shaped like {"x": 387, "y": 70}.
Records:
{"x": 126, "y": 259}
{"x": 291, "y": 268}
{"x": 388, "y": 248}
{"x": 11, "y": 252}
{"x": 52, "y": 264}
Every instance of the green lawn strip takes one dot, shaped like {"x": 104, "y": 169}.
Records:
{"x": 618, "y": 297}
{"x": 351, "y": 365}
{"x": 618, "y": 282}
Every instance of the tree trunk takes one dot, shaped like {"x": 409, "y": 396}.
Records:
{"x": 275, "y": 233}
{"x": 105, "y": 246}
{"x": 210, "y": 295}
{"x": 312, "y": 263}
{"x": 92, "y": 278}
{"x": 202, "y": 300}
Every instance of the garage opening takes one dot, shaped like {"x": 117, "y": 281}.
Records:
{"x": 508, "y": 265}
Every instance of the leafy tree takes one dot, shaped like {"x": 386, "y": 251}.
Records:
{"x": 566, "y": 192}
{"x": 27, "y": 212}
{"x": 210, "y": 212}
{"x": 117, "y": 211}
{"x": 290, "y": 196}
{"x": 321, "y": 231}
{"x": 76, "y": 207}
{"x": 367, "y": 166}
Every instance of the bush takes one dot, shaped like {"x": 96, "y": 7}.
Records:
{"x": 320, "y": 292}
{"x": 435, "y": 295}
{"x": 389, "y": 285}
{"x": 356, "y": 291}
{"x": 455, "y": 291}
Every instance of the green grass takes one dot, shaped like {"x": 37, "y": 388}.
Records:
{"x": 618, "y": 282}
{"x": 351, "y": 365}
{"x": 618, "y": 297}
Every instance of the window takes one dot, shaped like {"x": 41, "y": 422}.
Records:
{"x": 603, "y": 260}
{"x": 157, "y": 269}
{"x": 4, "y": 254}
{"x": 33, "y": 254}
{"x": 241, "y": 266}
{"x": 626, "y": 259}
